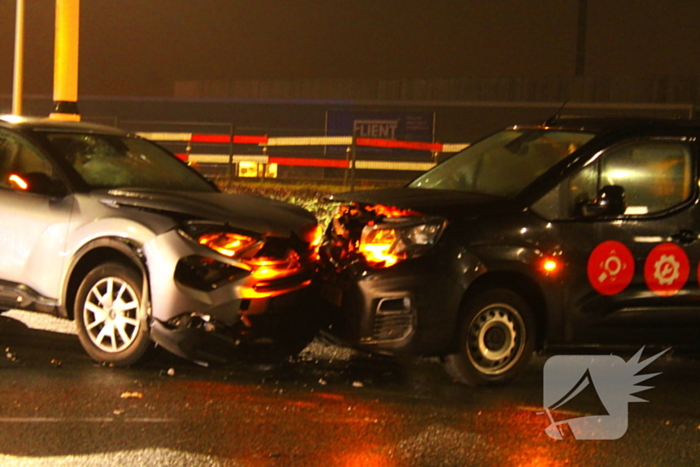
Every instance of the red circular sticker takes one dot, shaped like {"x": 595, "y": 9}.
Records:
{"x": 610, "y": 267}
{"x": 666, "y": 269}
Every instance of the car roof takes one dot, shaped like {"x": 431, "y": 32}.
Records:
{"x": 606, "y": 124}
{"x": 47, "y": 124}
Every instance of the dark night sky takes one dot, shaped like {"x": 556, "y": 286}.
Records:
{"x": 141, "y": 47}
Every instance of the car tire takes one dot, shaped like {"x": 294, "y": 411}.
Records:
{"x": 109, "y": 315}
{"x": 496, "y": 338}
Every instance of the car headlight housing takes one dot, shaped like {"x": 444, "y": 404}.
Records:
{"x": 270, "y": 265}
{"x": 383, "y": 245}
{"x": 223, "y": 240}
{"x": 227, "y": 243}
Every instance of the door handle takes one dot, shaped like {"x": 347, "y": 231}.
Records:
{"x": 685, "y": 237}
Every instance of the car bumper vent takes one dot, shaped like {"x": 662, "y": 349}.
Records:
{"x": 393, "y": 319}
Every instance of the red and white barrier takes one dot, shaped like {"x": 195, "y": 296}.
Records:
{"x": 265, "y": 141}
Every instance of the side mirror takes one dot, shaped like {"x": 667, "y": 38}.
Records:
{"x": 611, "y": 201}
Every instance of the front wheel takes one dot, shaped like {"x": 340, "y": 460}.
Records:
{"x": 496, "y": 339}
{"x": 109, "y": 315}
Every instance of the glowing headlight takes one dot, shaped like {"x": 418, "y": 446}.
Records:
{"x": 221, "y": 239}
{"x": 386, "y": 244}
{"x": 227, "y": 243}
{"x": 316, "y": 236}
{"x": 379, "y": 246}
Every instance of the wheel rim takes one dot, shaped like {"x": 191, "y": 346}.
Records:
{"x": 496, "y": 339}
{"x": 110, "y": 315}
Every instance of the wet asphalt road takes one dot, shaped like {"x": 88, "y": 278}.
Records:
{"x": 330, "y": 407}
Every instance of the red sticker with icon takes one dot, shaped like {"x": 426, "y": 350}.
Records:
{"x": 666, "y": 269}
{"x": 610, "y": 267}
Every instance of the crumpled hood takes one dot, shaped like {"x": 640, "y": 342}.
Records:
{"x": 444, "y": 203}
{"x": 247, "y": 212}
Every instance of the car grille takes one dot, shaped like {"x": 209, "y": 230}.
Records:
{"x": 392, "y": 327}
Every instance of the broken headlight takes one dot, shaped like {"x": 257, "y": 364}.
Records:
{"x": 219, "y": 238}
{"x": 394, "y": 240}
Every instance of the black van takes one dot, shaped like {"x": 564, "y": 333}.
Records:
{"x": 574, "y": 231}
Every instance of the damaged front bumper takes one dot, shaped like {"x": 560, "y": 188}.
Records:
{"x": 281, "y": 325}
{"x": 389, "y": 283}
{"x": 212, "y": 309}
{"x": 410, "y": 308}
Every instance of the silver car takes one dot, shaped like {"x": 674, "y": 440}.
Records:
{"x": 114, "y": 232}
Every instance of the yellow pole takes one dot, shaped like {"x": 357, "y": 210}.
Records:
{"x": 65, "y": 71}
{"x": 19, "y": 60}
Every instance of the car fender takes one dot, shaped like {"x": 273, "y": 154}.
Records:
{"x": 521, "y": 267}
{"x": 125, "y": 237}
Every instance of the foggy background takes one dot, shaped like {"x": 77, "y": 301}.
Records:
{"x": 143, "y": 47}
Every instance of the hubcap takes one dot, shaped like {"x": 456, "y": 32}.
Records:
{"x": 110, "y": 314}
{"x": 496, "y": 339}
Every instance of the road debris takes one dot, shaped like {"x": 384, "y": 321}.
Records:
{"x": 10, "y": 355}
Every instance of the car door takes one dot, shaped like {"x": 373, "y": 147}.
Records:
{"x": 33, "y": 225}
{"x": 633, "y": 277}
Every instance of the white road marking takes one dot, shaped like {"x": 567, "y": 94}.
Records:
{"x": 84, "y": 420}
{"x": 149, "y": 457}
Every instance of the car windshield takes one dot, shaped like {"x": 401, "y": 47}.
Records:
{"x": 113, "y": 161}
{"x": 504, "y": 163}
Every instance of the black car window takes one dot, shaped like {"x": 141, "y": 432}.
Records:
{"x": 8, "y": 152}
{"x": 112, "y": 161}
{"x": 504, "y": 163}
{"x": 656, "y": 175}
{"x": 20, "y": 162}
